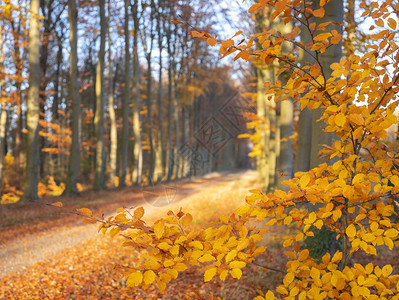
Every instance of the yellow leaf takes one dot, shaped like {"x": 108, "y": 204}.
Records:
{"x": 304, "y": 180}
{"x": 242, "y": 210}
{"x": 322, "y": 36}
{"x": 356, "y": 118}
{"x": 269, "y": 295}
{"x": 159, "y": 229}
{"x": 138, "y": 213}
{"x": 391, "y": 233}
{"x": 231, "y": 255}
{"x": 315, "y": 273}
{"x": 209, "y": 274}
{"x": 351, "y": 231}
{"x": 58, "y": 204}
{"x": 197, "y": 245}
{"x": 386, "y": 271}
{"x": 85, "y": 211}
{"x": 180, "y": 267}
{"x": 236, "y": 273}
{"x": 134, "y": 279}
{"x": 114, "y": 231}
{"x": 149, "y": 277}
{"x": 174, "y": 250}
{"x": 223, "y": 275}
{"x": 340, "y": 119}
{"x": 288, "y": 279}
{"x": 119, "y": 210}
{"x": 164, "y": 246}
{"x": 237, "y": 264}
{"x": 319, "y": 224}
{"x": 206, "y": 258}
{"x": 242, "y": 244}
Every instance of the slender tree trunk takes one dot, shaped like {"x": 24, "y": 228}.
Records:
{"x": 304, "y": 143}
{"x": 47, "y": 9}
{"x": 286, "y": 119}
{"x": 333, "y": 13}
{"x": 125, "y": 103}
{"x": 160, "y": 149}
{"x": 264, "y": 129}
{"x": 138, "y": 149}
{"x": 99, "y": 180}
{"x": 151, "y": 178}
{"x": 74, "y": 158}
{"x": 177, "y": 136}
{"x": 32, "y": 140}
{"x": 18, "y": 86}
{"x": 111, "y": 108}
{"x": 3, "y": 111}
{"x": 171, "y": 161}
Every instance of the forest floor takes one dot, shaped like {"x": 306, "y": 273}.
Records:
{"x": 47, "y": 252}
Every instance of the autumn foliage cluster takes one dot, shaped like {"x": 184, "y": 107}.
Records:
{"x": 354, "y": 196}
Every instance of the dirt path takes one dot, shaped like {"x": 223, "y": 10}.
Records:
{"x": 21, "y": 253}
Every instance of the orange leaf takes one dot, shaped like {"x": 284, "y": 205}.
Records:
{"x": 392, "y": 23}
{"x": 58, "y": 204}
{"x": 138, "y": 213}
{"x": 196, "y": 34}
{"x": 322, "y": 36}
{"x": 85, "y": 211}
{"x": 211, "y": 41}
{"x": 379, "y": 22}
{"x": 242, "y": 54}
{"x": 177, "y": 22}
{"x": 319, "y": 13}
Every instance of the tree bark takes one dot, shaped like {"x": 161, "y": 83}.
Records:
{"x": 138, "y": 149}
{"x": 112, "y": 118}
{"x": 3, "y": 111}
{"x": 99, "y": 180}
{"x": 32, "y": 139}
{"x": 160, "y": 149}
{"x": 334, "y": 11}
{"x": 74, "y": 158}
{"x": 125, "y": 102}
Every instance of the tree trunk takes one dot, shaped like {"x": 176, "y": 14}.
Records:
{"x": 126, "y": 100}
{"x": 99, "y": 180}
{"x": 138, "y": 149}
{"x": 286, "y": 119}
{"x": 160, "y": 149}
{"x": 170, "y": 108}
{"x": 32, "y": 140}
{"x": 3, "y": 111}
{"x": 334, "y": 11}
{"x": 111, "y": 108}
{"x": 74, "y": 158}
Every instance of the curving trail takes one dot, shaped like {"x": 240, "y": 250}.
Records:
{"x": 20, "y": 253}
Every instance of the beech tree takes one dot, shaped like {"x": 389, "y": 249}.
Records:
{"x": 355, "y": 196}
{"x": 99, "y": 180}
{"x": 32, "y": 141}
{"x": 74, "y": 159}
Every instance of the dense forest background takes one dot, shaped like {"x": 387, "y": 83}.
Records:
{"x": 107, "y": 94}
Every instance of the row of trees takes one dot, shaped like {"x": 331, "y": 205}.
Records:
{"x": 351, "y": 192}
{"x": 63, "y": 61}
